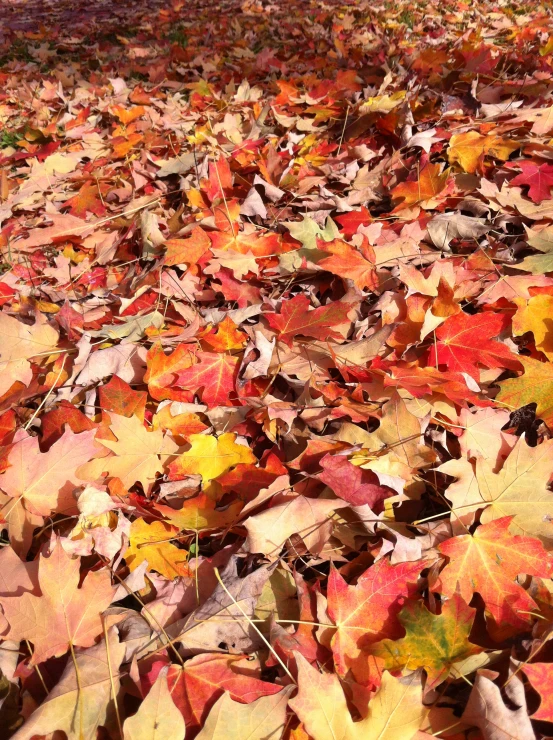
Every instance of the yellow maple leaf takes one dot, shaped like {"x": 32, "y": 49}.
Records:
{"x": 211, "y": 456}
{"x": 535, "y": 315}
{"x": 466, "y": 149}
{"x": 151, "y": 542}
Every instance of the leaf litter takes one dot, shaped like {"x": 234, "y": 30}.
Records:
{"x": 276, "y": 380}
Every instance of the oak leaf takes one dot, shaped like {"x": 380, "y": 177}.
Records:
{"x": 219, "y": 623}
{"x": 487, "y": 710}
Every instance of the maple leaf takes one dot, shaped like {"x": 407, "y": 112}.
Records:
{"x": 351, "y": 221}
{"x": 187, "y": 251}
{"x": 213, "y": 378}
{"x": 20, "y": 343}
{"x": 199, "y": 513}
{"x": 118, "y": 397}
{"x": 63, "y": 614}
{"x": 62, "y": 226}
{"x": 366, "y": 612}
{"x": 226, "y": 337}
{"x": 37, "y": 483}
{"x": 482, "y": 435}
{"x": 433, "y": 642}
{"x": 396, "y": 710}
{"x": 430, "y": 183}
{"x": 203, "y": 679}
{"x": 535, "y": 385}
{"x": 540, "y": 675}
{"x": 488, "y": 562}
{"x": 539, "y": 179}
{"x": 244, "y": 293}
{"x": 303, "y": 366}
{"x": 157, "y": 715}
{"x": 469, "y": 148}
{"x": 87, "y": 200}
{"x": 162, "y": 370}
{"x": 518, "y": 490}
{"x": 539, "y": 263}
{"x": 53, "y": 422}
{"x": 269, "y": 530}
{"x": 210, "y": 456}
{"x": 466, "y": 341}
{"x": 263, "y": 718}
{"x": 152, "y": 543}
{"x": 295, "y": 319}
{"x": 79, "y": 703}
{"x": 139, "y": 455}
{"x": 535, "y": 315}
{"x": 349, "y": 263}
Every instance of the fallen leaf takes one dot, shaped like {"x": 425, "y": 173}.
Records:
{"x": 433, "y": 642}
{"x": 78, "y": 704}
{"x": 63, "y": 614}
{"x": 157, "y": 716}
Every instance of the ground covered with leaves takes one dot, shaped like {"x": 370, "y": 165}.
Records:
{"x": 276, "y": 370}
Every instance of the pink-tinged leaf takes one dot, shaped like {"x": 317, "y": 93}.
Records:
{"x": 353, "y": 484}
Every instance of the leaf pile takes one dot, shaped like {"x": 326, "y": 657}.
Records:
{"x": 276, "y": 370}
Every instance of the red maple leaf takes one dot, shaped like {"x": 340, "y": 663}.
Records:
{"x": 538, "y": 178}
{"x": 295, "y": 319}
{"x": 466, "y": 341}
{"x": 213, "y": 377}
